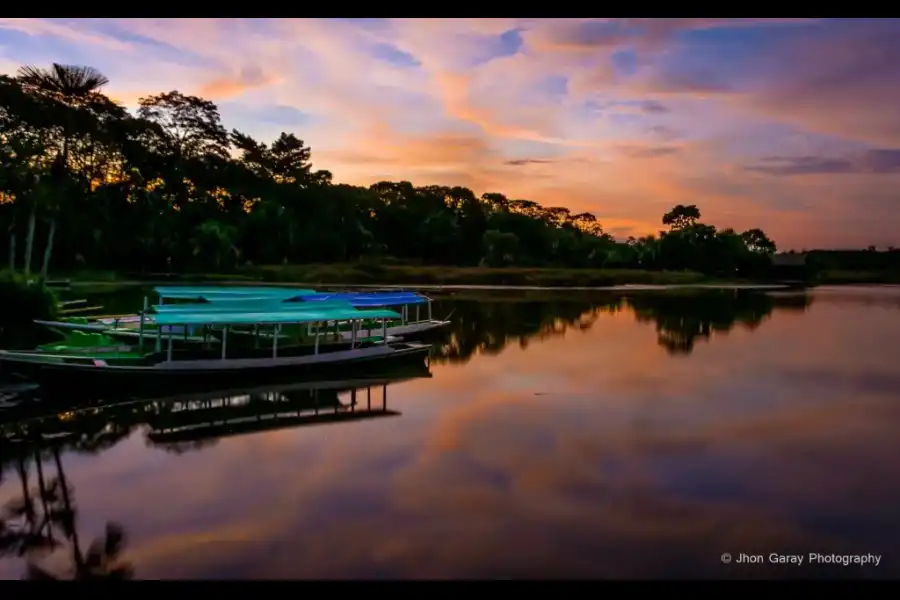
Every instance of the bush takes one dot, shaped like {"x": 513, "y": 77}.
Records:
{"x": 21, "y": 302}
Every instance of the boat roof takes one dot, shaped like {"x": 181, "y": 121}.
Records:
{"x": 367, "y": 299}
{"x": 188, "y": 317}
{"x": 356, "y": 299}
{"x": 222, "y": 292}
{"x": 277, "y": 304}
{"x": 249, "y": 305}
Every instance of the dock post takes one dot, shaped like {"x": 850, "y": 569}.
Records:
{"x": 384, "y": 330}
{"x": 169, "y": 349}
{"x": 417, "y": 313}
{"x": 275, "y": 341}
{"x": 224, "y": 340}
{"x": 159, "y": 337}
{"x": 429, "y": 309}
{"x": 316, "y": 330}
{"x": 404, "y": 315}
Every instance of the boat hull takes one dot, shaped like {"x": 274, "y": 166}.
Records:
{"x": 88, "y": 377}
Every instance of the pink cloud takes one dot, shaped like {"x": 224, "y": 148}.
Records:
{"x": 623, "y": 144}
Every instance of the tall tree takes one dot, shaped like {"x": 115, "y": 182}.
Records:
{"x": 73, "y": 87}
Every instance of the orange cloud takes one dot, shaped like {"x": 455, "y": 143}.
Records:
{"x": 545, "y": 109}
{"x": 248, "y": 78}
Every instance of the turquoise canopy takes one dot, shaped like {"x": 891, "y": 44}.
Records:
{"x": 270, "y": 317}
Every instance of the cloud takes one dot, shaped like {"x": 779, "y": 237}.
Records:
{"x": 520, "y": 162}
{"x": 872, "y": 161}
{"x": 248, "y": 78}
{"x": 664, "y": 133}
{"x": 840, "y": 82}
{"x": 584, "y": 113}
{"x": 652, "y": 107}
{"x": 648, "y": 152}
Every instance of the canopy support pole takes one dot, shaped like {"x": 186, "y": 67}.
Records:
{"x": 141, "y": 326}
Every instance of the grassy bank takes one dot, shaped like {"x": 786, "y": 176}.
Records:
{"x": 399, "y": 275}
{"x": 440, "y": 275}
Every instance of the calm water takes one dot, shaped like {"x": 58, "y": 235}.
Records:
{"x": 563, "y": 437}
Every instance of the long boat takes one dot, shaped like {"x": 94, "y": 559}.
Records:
{"x": 130, "y": 366}
{"x": 243, "y": 298}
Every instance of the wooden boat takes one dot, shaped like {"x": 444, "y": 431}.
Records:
{"x": 130, "y": 366}
{"x": 245, "y": 298}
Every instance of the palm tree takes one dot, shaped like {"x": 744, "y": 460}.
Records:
{"x": 103, "y": 558}
{"x": 73, "y": 87}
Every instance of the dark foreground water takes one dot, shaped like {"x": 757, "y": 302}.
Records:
{"x": 638, "y": 437}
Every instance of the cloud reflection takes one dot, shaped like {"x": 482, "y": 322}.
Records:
{"x": 588, "y": 453}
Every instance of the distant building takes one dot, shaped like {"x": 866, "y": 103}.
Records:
{"x": 791, "y": 266}
{"x": 789, "y": 259}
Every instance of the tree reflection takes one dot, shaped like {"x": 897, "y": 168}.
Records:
{"x": 681, "y": 318}
{"x": 684, "y": 319}
{"x": 43, "y": 519}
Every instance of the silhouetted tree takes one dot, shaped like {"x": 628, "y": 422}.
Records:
{"x": 169, "y": 188}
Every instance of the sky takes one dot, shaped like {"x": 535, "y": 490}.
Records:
{"x": 790, "y": 125}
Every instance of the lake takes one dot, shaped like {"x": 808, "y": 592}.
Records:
{"x": 562, "y": 435}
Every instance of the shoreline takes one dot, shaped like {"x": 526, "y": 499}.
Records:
{"x": 459, "y": 278}
{"x": 438, "y": 287}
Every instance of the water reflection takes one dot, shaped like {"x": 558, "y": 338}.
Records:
{"x": 43, "y": 520}
{"x": 40, "y": 521}
{"x": 487, "y": 325}
{"x": 592, "y": 452}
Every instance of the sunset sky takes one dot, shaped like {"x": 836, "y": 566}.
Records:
{"x": 792, "y": 125}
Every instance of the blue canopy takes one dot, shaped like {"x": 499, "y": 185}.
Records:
{"x": 366, "y": 299}
{"x": 228, "y": 292}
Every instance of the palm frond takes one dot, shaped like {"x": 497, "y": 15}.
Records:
{"x": 66, "y": 81}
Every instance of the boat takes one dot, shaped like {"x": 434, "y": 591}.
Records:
{"x": 129, "y": 366}
{"x": 246, "y": 298}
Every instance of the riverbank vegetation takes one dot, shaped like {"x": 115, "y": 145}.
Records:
{"x": 86, "y": 184}
{"x": 21, "y": 301}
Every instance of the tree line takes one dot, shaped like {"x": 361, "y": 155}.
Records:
{"x": 84, "y": 183}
